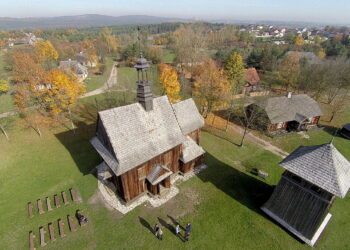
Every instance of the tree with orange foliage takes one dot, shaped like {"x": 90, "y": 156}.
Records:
{"x": 25, "y": 69}
{"x": 211, "y": 86}
{"x": 171, "y": 85}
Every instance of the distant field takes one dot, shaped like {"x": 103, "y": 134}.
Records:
{"x": 169, "y": 56}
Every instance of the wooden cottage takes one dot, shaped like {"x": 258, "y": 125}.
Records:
{"x": 291, "y": 113}
{"x": 147, "y": 143}
{"x": 302, "y": 199}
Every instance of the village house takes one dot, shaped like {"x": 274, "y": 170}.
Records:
{"x": 75, "y": 68}
{"x": 288, "y": 113}
{"x": 145, "y": 145}
{"x": 29, "y": 39}
{"x": 252, "y": 80}
{"x": 85, "y": 60}
{"x": 302, "y": 199}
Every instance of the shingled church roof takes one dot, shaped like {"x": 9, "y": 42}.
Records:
{"x": 322, "y": 165}
{"x": 284, "y": 109}
{"x": 137, "y": 135}
{"x": 188, "y": 116}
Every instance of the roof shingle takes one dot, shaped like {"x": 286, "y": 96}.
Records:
{"x": 323, "y": 165}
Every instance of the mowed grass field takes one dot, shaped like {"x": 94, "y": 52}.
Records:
{"x": 222, "y": 202}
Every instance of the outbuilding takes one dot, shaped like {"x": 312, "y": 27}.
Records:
{"x": 301, "y": 201}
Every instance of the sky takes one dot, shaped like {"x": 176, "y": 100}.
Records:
{"x": 324, "y": 11}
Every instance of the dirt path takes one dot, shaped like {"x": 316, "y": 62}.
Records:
{"x": 111, "y": 81}
{"x": 257, "y": 140}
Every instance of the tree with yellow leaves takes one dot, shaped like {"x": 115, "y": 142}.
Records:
{"x": 234, "y": 68}
{"x": 169, "y": 79}
{"x": 61, "y": 91}
{"x": 321, "y": 53}
{"x": 45, "y": 53}
{"x": 299, "y": 40}
{"x": 211, "y": 86}
{"x": 109, "y": 39}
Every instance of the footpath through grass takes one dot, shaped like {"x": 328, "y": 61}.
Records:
{"x": 94, "y": 81}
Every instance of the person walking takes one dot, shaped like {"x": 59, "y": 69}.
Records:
{"x": 160, "y": 234}
{"x": 156, "y": 230}
{"x": 177, "y": 230}
{"x": 188, "y": 230}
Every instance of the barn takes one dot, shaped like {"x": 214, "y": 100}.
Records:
{"x": 290, "y": 113}
{"x": 147, "y": 143}
{"x": 301, "y": 201}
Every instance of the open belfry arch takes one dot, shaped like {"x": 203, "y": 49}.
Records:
{"x": 146, "y": 144}
{"x": 301, "y": 201}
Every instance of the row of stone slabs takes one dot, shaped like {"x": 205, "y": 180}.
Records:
{"x": 74, "y": 196}
{"x": 42, "y": 232}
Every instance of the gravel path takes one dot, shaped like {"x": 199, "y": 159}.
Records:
{"x": 112, "y": 80}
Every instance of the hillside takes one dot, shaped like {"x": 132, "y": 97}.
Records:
{"x": 80, "y": 21}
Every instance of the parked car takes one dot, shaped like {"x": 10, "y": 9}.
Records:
{"x": 345, "y": 131}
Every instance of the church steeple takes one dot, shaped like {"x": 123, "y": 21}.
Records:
{"x": 144, "y": 92}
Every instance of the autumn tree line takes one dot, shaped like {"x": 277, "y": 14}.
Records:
{"x": 43, "y": 93}
{"x": 209, "y": 65}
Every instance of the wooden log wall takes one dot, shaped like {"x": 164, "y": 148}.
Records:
{"x": 300, "y": 204}
{"x": 134, "y": 181}
{"x": 195, "y": 135}
{"x": 189, "y": 166}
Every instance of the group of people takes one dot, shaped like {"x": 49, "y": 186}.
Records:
{"x": 159, "y": 232}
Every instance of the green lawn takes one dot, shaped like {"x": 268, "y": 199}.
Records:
{"x": 168, "y": 56}
{"x": 222, "y": 203}
{"x": 6, "y": 103}
{"x": 127, "y": 78}
{"x": 96, "y": 81}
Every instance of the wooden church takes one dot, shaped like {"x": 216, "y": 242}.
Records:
{"x": 146, "y": 144}
{"x": 301, "y": 201}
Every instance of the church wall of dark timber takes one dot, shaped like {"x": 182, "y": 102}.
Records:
{"x": 300, "y": 204}
{"x": 195, "y": 135}
{"x": 187, "y": 167}
{"x": 134, "y": 181}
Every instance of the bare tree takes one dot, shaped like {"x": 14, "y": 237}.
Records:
{"x": 248, "y": 115}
